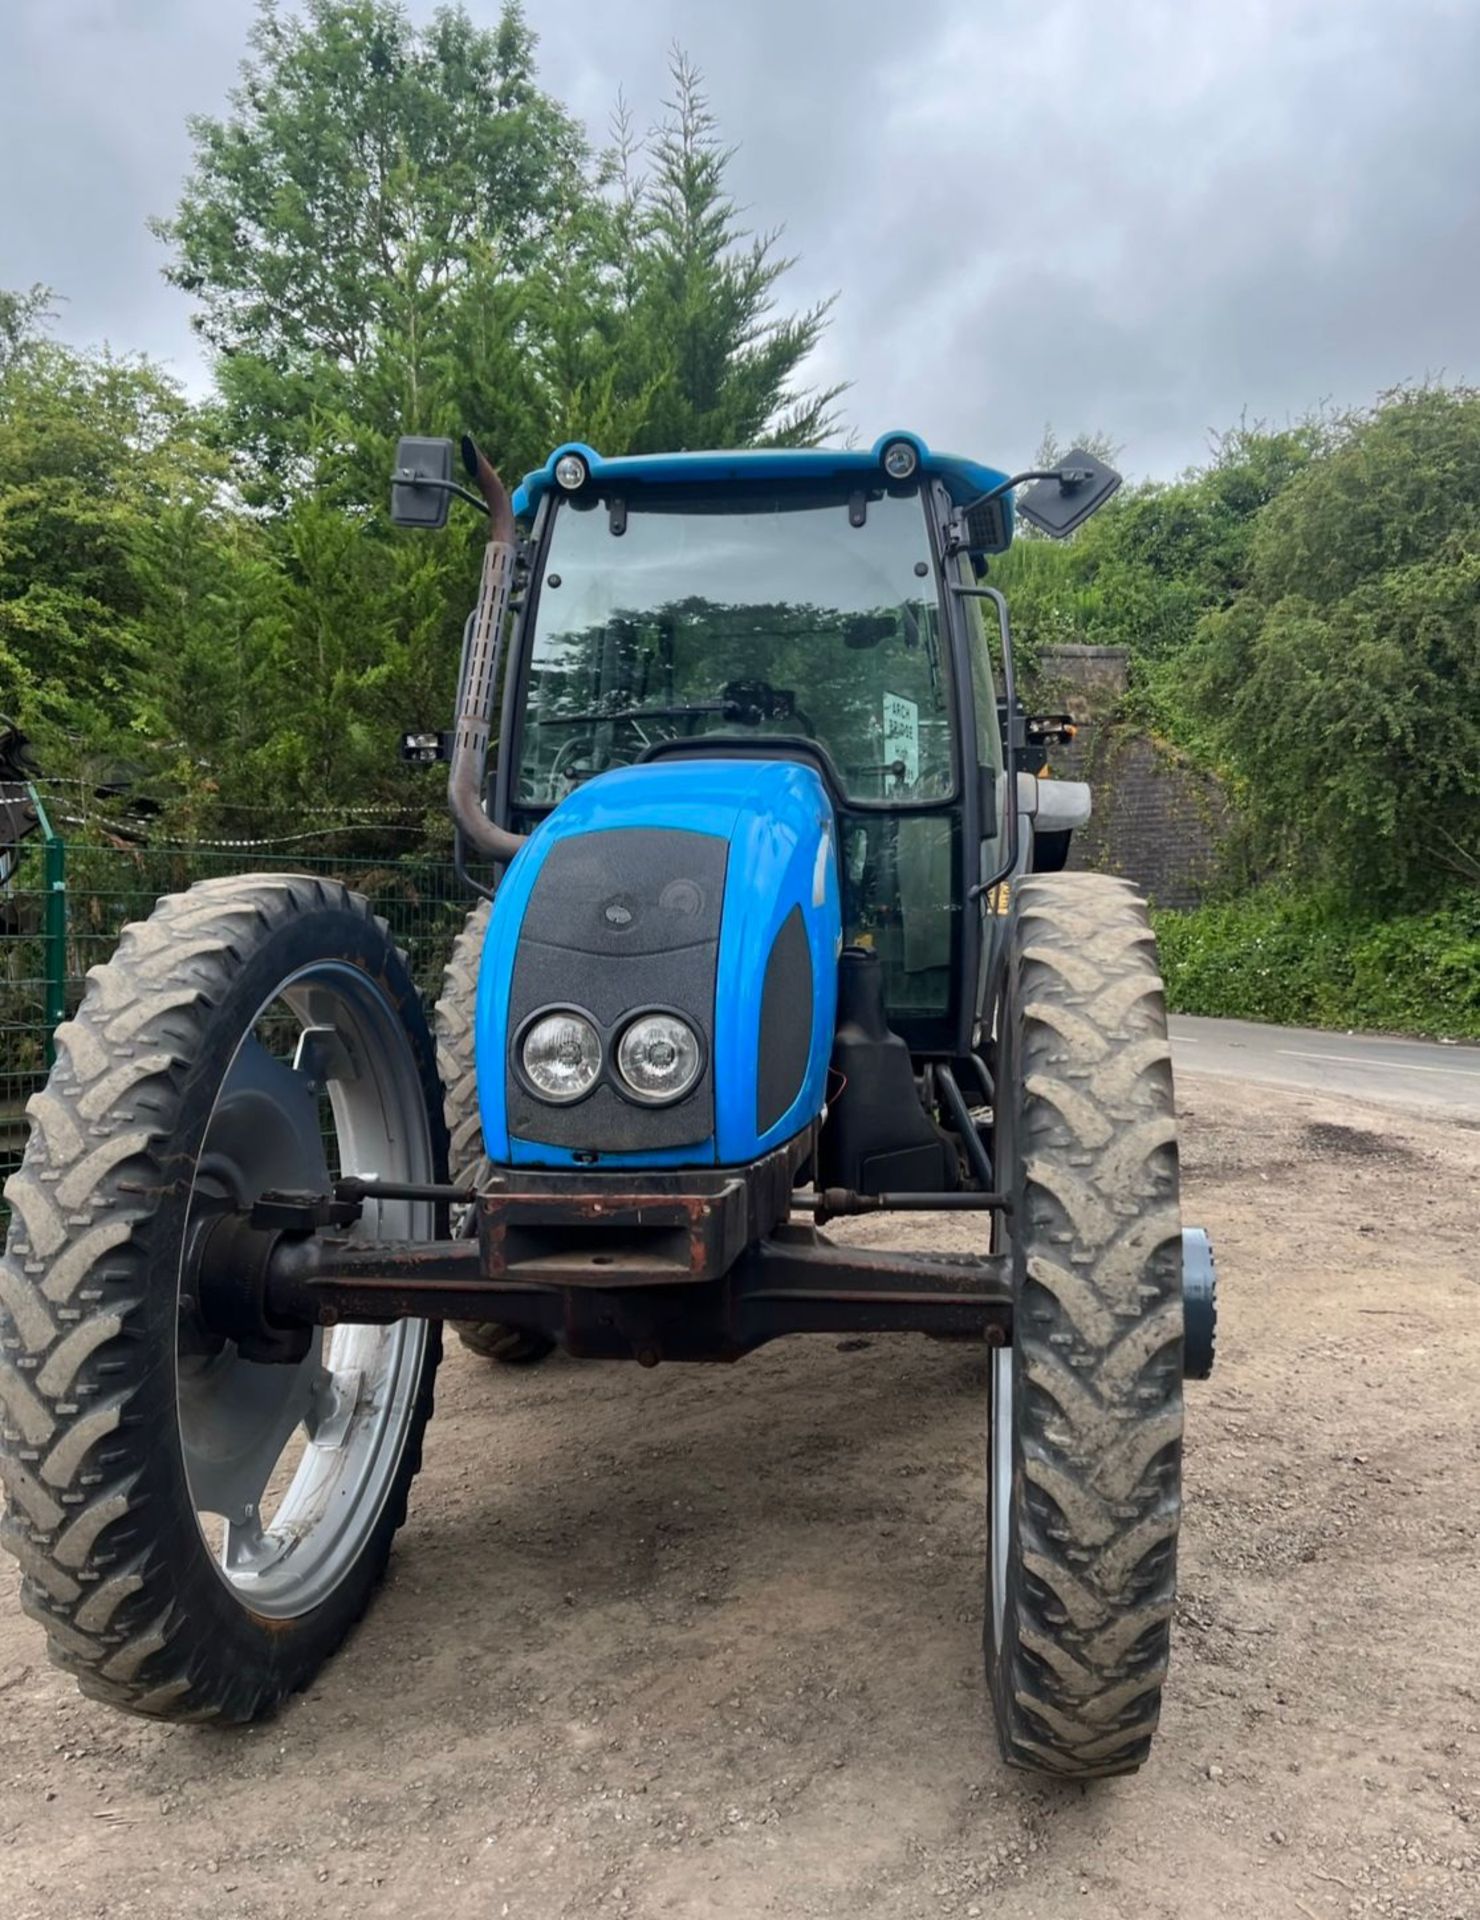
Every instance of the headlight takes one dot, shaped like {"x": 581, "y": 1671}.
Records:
{"x": 658, "y": 1058}
{"x": 900, "y": 459}
{"x": 561, "y": 1055}
{"x": 570, "y": 472}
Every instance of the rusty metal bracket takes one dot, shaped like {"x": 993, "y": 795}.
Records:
{"x": 600, "y": 1239}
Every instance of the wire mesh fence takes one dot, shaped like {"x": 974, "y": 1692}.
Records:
{"x": 63, "y": 905}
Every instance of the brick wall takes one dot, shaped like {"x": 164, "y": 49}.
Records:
{"x": 1156, "y": 820}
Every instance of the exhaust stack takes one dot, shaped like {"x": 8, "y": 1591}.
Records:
{"x": 468, "y": 770}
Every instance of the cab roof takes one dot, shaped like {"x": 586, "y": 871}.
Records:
{"x": 962, "y": 479}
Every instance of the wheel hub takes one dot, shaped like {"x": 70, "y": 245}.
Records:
{"x": 242, "y": 1396}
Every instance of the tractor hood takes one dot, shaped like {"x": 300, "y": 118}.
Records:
{"x": 706, "y": 889}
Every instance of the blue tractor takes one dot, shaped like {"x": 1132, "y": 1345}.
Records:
{"x": 775, "y": 932}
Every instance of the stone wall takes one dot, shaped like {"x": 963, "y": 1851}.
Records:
{"x": 1156, "y": 820}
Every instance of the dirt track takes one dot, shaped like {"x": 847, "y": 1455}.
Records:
{"x": 705, "y": 1642}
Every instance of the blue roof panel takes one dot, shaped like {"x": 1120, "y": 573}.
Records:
{"x": 963, "y": 479}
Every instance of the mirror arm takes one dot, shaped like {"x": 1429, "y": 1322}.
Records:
{"x": 1067, "y": 477}
{"x": 409, "y": 477}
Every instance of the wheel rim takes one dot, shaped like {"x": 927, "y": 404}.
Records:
{"x": 999, "y": 1485}
{"x": 289, "y": 1466}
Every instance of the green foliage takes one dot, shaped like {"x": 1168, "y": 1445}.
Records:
{"x": 23, "y": 318}
{"x": 699, "y": 329}
{"x": 287, "y": 658}
{"x": 1311, "y": 960}
{"x": 395, "y": 230}
{"x": 93, "y": 451}
{"x": 1342, "y": 687}
{"x": 1144, "y": 571}
{"x": 1304, "y": 616}
{"x": 373, "y": 185}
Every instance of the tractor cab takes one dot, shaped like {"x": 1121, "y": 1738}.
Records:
{"x": 713, "y": 656}
{"x": 790, "y": 606}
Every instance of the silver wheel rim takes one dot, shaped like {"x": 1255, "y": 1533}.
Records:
{"x": 999, "y": 1471}
{"x": 294, "y": 1464}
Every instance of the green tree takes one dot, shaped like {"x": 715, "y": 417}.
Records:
{"x": 23, "y": 319}
{"x": 287, "y": 654}
{"x": 93, "y": 450}
{"x": 1342, "y": 687}
{"x": 372, "y": 183}
{"x": 361, "y": 233}
{"x": 394, "y": 230}
{"x": 701, "y": 335}
{"x": 1143, "y": 572}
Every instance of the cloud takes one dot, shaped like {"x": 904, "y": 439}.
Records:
{"x": 1145, "y": 219}
{"x": 94, "y": 96}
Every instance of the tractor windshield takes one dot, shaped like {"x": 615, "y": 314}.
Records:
{"x": 747, "y": 615}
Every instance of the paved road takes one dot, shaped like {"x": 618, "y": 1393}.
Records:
{"x": 1420, "y": 1073}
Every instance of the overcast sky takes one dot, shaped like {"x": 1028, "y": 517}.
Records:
{"x": 1145, "y": 218}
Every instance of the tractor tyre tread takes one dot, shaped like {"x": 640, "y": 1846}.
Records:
{"x": 1097, "y": 1367}
{"x": 456, "y": 1058}
{"x": 92, "y": 1495}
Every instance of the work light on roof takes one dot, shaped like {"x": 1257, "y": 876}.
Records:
{"x": 900, "y": 459}
{"x": 570, "y": 472}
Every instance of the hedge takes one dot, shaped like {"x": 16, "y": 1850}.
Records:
{"x": 1296, "y": 960}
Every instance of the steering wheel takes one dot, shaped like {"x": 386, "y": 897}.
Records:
{"x": 569, "y": 751}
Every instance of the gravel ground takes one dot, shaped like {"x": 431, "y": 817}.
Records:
{"x": 706, "y": 1641}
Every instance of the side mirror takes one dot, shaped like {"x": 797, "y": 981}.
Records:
{"x": 422, "y": 484}
{"x": 1080, "y": 487}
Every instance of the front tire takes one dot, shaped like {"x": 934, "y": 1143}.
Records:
{"x": 1084, "y": 1469}
{"x": 198, "y": 1529}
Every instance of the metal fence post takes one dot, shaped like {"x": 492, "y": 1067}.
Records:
{"x": 54, "y": 925}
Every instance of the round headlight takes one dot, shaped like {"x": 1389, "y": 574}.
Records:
{"x": 570, "y": 472}
{"x": 561, "y": 1055}
{"x": 900, "y": 459}
{"x": 658, "y": 1057}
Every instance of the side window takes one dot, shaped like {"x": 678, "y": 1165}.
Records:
{"x": 901, "y": 899}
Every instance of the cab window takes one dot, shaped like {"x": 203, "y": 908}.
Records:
{"x": 662, "y": 620}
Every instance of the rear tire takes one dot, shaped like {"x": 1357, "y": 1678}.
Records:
{"x": 1084, "y": 1469}
{"x": 127, "y": 1430}
{"x": 489, "y": 1339}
